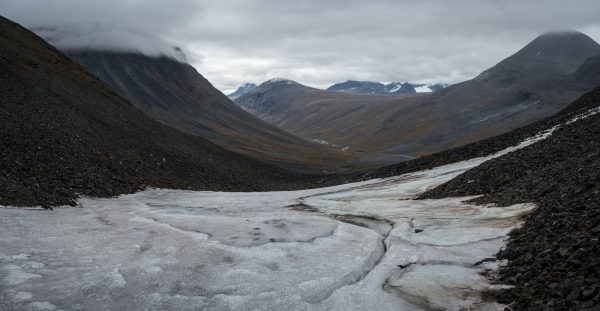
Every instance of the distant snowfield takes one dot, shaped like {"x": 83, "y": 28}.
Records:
{"x": 423, "y": 89}
{"x": 360, "y": 246}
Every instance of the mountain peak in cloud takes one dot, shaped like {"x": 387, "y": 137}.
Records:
{"x": 98, "y": 37}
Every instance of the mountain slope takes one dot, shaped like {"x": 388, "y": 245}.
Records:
{"x": 532, "y": 84}
{"x": 339, "y": 118}
{"x": 243, "y": 89}
{"x": 177, "y": 95}
{"x": 358, "y": 87}
{"x": 64, "y": 133}
{"x": 589, "y": 71}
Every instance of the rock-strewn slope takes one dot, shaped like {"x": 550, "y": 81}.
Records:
{"x": 64, "y": 133}
{"x": 554, "y": 259}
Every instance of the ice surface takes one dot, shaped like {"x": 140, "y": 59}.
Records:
{"x": 360, "y": 246}
{"x": 584, "y": 115}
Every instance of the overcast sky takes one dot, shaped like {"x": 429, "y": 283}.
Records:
{"x": 319, "y": 42}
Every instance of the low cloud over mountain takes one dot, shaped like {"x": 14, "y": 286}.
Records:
{"x": 99, "y": 37}
{"x": 319, "y": 43}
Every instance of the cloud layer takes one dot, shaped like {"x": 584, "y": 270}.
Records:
{"x": 102, "y": 37}
{"x": 319, "y": 42}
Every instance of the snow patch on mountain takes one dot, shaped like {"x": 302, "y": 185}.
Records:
{"x": 392, "y": 88}
{"x": 423, "y": 89}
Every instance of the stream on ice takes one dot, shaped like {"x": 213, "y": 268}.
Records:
{"x": 359, "y": 246}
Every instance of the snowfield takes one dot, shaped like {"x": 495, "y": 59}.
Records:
{"x": 360, "y": 246}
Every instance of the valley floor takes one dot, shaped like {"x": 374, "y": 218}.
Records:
{"x": 358, "y": 246}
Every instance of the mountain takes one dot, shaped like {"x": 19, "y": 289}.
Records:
{"x": 535, "y": 82}
{"x": 335, "y": 118}
{"x": 243, "y": 89}
{"x": 358, "y": 87}
{"x": 175, "y": 94}
{"x": 400, "y": 88}
{"x": 64, "y": 133}
{"x": 429, "y": 88}
{"x": 589, "y": 71}
{"x": 393, "y": 88}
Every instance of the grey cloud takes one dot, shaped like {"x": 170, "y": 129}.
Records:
{"x": 322, "y": 42}
{"x": 101, "y": 37}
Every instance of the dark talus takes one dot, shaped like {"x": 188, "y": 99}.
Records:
{"x": 554, "y": 261}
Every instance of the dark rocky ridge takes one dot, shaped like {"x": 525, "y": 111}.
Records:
{"x": 64, "y": 133}
{"x": 554, "y": 259}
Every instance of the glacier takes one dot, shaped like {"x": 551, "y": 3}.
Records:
{"x": 360, "y": 246}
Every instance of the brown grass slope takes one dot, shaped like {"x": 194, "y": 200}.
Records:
{"x": 342, "y": 119}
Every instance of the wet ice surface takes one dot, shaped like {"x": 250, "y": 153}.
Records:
{"x": 361, "y": 246}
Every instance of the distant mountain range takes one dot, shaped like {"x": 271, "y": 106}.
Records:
{"x": 335, "y": 118}
{"x": 536, "y": 82}
{"x": 243, "y": 89}
{"x": 362, "y": 87}
{"x": 394, "y": 88}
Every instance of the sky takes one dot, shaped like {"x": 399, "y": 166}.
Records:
{"x": 314, "y": 42}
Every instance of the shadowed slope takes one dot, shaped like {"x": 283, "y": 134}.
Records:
{"x": 177, "y": 95}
